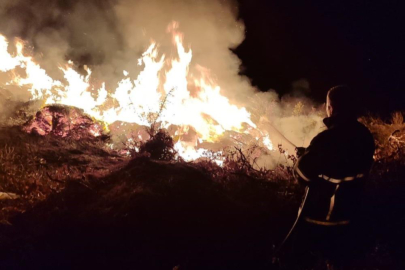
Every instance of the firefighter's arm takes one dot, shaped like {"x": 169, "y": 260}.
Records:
{"x": 310, "y": 161}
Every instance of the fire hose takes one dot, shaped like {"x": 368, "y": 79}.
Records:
{"x": 278, "y": 249}
{"x": 300, "y": 209}
{"x": 299, "y": 151}
{"x": 281, "y": 135}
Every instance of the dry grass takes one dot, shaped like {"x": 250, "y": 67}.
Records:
{"x": 389, "y": 136}
{"x": 33, "y": 167}
{"x": 389, "y": 156}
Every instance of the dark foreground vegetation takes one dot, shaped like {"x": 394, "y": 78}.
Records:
{"x": 74, "y": 204}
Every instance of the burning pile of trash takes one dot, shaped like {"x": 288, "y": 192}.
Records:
{"x": 170, "y": 93}
{"x": 64, "y": 121}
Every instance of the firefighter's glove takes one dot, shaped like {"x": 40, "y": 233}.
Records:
{"x": 299, "y": 151}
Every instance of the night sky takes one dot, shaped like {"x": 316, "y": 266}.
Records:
{"x": 359, "y": 43}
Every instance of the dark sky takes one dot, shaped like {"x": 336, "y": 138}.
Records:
{"x": 359, "y": 43}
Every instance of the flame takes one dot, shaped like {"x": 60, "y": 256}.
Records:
{"x": 7, "y": 61}
{"x": 189, "y": 153}
{"x": 160, "y": 93}
{"x": 267, "y": 142}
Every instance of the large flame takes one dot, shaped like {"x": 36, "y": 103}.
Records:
{"x": 160, "y": 93}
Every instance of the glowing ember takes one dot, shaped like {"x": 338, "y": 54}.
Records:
{"x": 159, "y": 94}
{"x": 63, "y": 121}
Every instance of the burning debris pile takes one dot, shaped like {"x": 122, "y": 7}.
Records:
{"x": 63, "y": 121}
{"x": 166, "y": 107}
{"x": 57, "y": 148}
{"x": 169, "y": 93}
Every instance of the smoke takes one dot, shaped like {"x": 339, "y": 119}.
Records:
{"x": 292, "y": 121}
{"x": 110, "y": 35}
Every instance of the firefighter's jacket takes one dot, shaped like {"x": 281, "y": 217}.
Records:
{"x": 334, "y": 167}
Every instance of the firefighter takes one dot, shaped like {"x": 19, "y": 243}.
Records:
{"x": 334, "y": 169}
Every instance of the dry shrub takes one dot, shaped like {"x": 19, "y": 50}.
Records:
{"x": 21, "y": 171}
{"x": 397, "y": 119}
{"x": 159, "y": 147}
{"x": 389, "y": 137}
{"x": 239, "y": 165}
